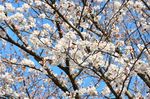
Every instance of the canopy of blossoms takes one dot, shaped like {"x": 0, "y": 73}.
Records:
{"x": 75, "y": 49}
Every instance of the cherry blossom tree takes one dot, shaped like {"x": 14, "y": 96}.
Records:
{"x": 75, "y": 49}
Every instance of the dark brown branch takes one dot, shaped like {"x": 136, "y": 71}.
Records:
{"x": 56, "y": 81}
{"x": 103, "y": 7}
{"x": 146, "y": 4}
{"x": 16, "y": 31}
{"x": 26, "y": 89}
{"x": 145, "y": 78}
{"x": 65, "y": 20}
{"x": 107, "y": 81}
{"x": 129, "y": 95}
{"x": 59, "y": 29}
